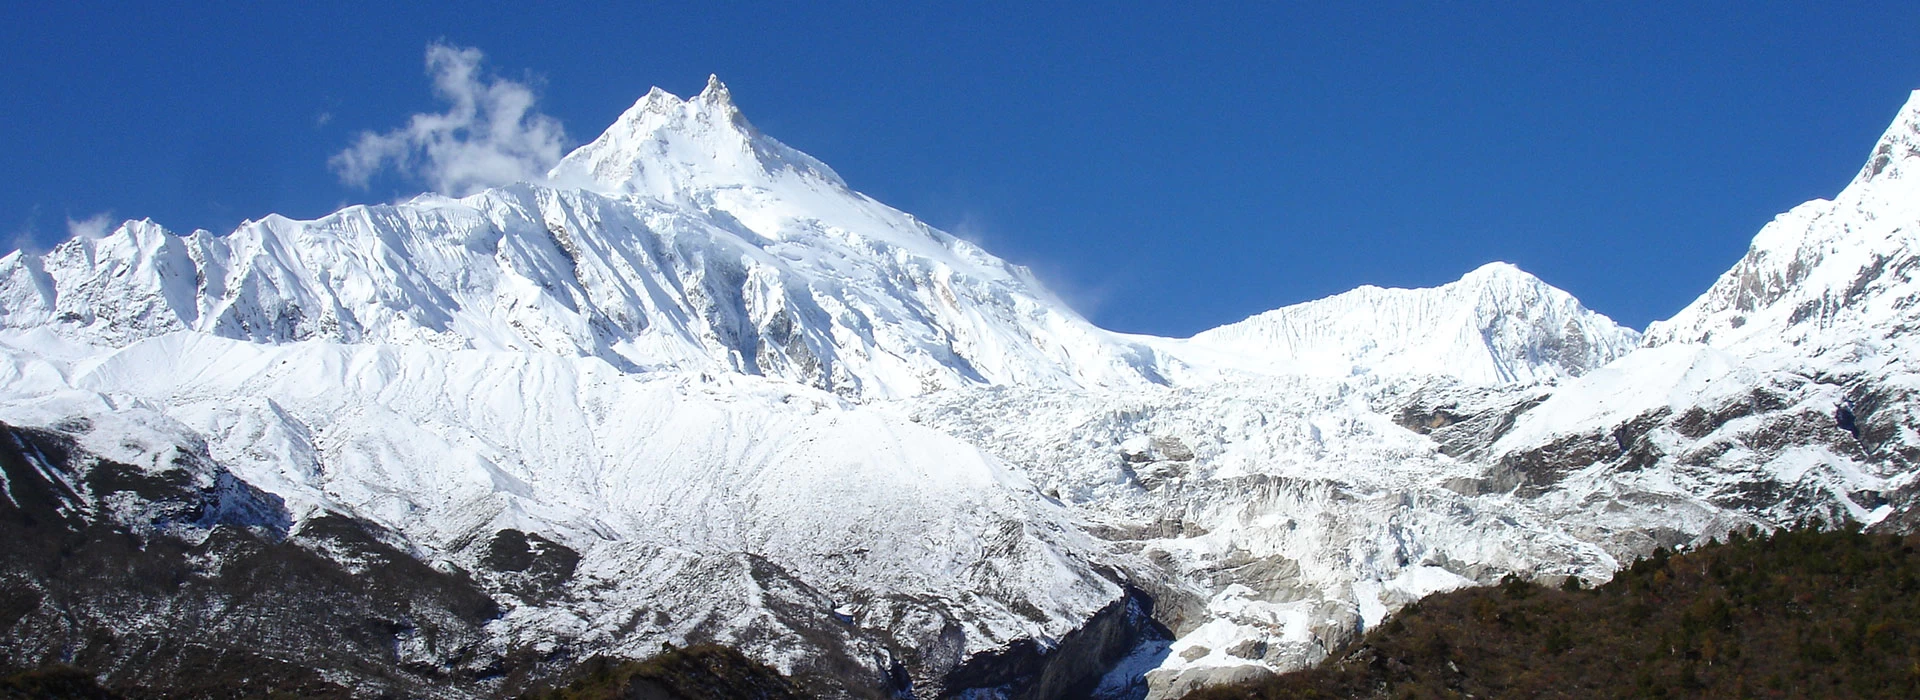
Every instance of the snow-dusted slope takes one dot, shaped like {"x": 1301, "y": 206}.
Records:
{"x": 742, "y": 509}
{"x": 1787, "y": 389}
{"x": 1497, "y": 324}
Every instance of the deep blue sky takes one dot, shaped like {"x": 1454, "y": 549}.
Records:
{"x": 1165, "y": 168}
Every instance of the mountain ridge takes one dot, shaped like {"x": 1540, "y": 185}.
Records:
{"x": 696, "y": 242}
{"x": 1496, "y": 324}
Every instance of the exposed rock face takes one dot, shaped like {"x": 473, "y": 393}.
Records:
{"x": 177, "y": 579}
{"x": 1074, "y": 668}
{"x": 528, "y": 566}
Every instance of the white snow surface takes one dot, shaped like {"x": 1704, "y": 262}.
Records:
{"x": 443, "y": 447}
{"x": 1497, "y": 324}
{"x": 757, "y": 401}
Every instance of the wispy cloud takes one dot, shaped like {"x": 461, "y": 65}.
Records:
{"x": 92, "y": 227}
{"x": 490, "y": 135}
{"x": 29, "y": 237}
{"x": 22, "y": 237}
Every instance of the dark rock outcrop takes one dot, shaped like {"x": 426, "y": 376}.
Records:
{"x": 182, "y": 581}
{"x": 1071, "y": 668}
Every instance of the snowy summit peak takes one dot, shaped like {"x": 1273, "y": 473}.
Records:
{"x": 657, "y": 100}
{"x": 716, "y": 94}
{"x": 1498, "y": 270}
{"x": 1897, "y": 154}
{"x": 714, "y": 98}
{"x": 1496, "y": 324}
{"x": 681, "y": 239}
{"x": 670, "y": 148}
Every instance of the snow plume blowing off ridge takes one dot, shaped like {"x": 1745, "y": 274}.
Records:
{"x": 489, "y": 137}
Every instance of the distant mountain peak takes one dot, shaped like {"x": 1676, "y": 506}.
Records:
{"x": 1496, "y": 324}
{"x": 1498, "y": 270}
{"x": 667, "y": 147}
{"x": 656, "y": 101}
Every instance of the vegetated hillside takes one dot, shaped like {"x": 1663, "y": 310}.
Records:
{"x": 694, "y": 673}
{"x": 1798, "y": 613}
{"x": 64, "y": 682}
{"x": 701, "y": 672}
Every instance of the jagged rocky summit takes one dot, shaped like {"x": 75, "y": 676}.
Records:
{"x": 696, "y": 389}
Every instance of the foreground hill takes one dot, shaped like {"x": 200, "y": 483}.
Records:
{"x": 703, "y": 672}
{"x": 1793, "y": 614}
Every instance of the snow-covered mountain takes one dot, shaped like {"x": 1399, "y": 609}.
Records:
{"x": 699, "y": 244}
{"x": 695, "y": 388}
{"x": 653, "y": 380}
{"x": 1786, "y": 390}
{"x": 1495, "y": 325}
{"x": 731, "y": 508}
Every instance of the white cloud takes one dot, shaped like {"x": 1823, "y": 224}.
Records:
{"x": 23, "y": 238}
{"x": 490, "y": 135}
{"x": 92, "y": 227}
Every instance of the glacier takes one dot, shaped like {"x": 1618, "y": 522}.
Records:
{"x": 712, "y": 393}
